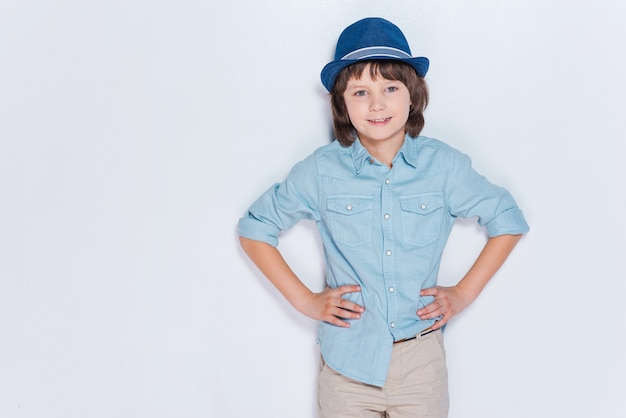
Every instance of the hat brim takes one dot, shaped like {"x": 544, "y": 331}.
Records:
{"x": 332, "y": 69}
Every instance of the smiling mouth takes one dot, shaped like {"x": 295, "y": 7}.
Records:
{"x": 383, "y": 120}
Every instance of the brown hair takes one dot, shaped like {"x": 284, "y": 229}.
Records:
{"x": 389, "y": 70}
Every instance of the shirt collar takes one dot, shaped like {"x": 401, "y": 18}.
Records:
{"x": 360, "y": 155}
{"x": 408, "y": 151}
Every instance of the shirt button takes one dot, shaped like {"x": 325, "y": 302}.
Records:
{"x": 388, "y": 252}
{"x": 423, "y": 206}
{"x": 349, "y": 207}
{"x": 391, "y": 290}
{"x": 371, "y": 160}
{"x": 386, "y": 216}
{"x": 392, "y": 325}
{"x": 387, "y": 181}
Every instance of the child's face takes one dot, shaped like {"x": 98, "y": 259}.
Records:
{"x": 378, "y": 109}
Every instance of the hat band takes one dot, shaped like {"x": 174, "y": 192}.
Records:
{"x": 376, "y": 51}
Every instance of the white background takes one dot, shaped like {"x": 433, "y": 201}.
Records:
{"x": 134, "y": 134}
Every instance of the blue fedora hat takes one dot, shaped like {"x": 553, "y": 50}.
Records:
{"x": 371, "y": 38}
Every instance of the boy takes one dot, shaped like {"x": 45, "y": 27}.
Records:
{"x": 384, "y": 200}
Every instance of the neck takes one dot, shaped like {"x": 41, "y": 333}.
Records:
{"x": 383, "y": 151}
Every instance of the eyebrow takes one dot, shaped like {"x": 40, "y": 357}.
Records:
{"x": 367, "y": 86}
{"x": 356, "y": 86}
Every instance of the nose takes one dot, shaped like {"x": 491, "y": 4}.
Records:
{"x": 377, "y": 103}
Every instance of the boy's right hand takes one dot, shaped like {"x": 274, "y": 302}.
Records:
{"x": 329, "y": 306}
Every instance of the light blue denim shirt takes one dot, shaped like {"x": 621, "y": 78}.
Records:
{"x": 383, "y": 229}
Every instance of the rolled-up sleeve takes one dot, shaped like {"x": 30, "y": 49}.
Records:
{"x": 472, "y": 195}
{"x": 283, "y": 205}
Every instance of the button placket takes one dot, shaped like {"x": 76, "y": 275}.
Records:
{"x": 388, "y": 251}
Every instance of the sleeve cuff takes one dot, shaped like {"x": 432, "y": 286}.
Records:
{"x": 509, "y": 222}
{"x": 250, "y": 228}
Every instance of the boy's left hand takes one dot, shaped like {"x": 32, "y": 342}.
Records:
{"x": 448, "y": 302}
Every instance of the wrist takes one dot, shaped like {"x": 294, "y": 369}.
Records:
{"x": 467, "y": 292}
{"x": 301, "y": 300}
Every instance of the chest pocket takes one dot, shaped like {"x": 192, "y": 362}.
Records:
{"x": 422, "y": 215}
{"x": 350, "y": 218}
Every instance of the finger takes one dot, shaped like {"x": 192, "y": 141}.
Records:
{"x": 341, "y": 308}
{"x": 338, "y": 317}
{"x": 431, "y": 291}
{"x": 430, "y": 315}
{"x": 351, "y": 306}
{"x": 344, "y": 314}
{"x": 334, "y": 320}
{"x": 342, "y": 290}
{"x": 432, "y": 310}
{"x": 344, "y": 303}
{"x": 347, "y": 314}
{"x": 431, "y": 307}
{"x": 440, "y": 323}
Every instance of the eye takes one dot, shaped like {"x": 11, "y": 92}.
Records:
{"x": 360, "y": 93}
{"x": 392, "y": 89}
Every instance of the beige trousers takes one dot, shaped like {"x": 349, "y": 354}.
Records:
{"x": 416, "y": 386}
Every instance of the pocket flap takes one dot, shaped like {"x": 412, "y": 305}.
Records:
{"x": 421, "y": 204}
{"x": 349, "y": 205}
